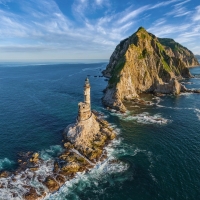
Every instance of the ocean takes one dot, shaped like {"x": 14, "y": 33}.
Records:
{"x": 155, "y": 156}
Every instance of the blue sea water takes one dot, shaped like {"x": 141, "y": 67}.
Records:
{"x": 155, "y": 156}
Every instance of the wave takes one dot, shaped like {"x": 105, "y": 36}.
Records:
{"x": 6, "y": 163}
{"x": 99, "y": 173}
{"x": 51, "y": 152}
{"x": 144, "y": 118}
{"x": 111, "y": 170}
{"x": 187, "y": 83}
{"x": 14, "y": 187}
{"x": 198, "y": 113}
{"x": 104, "y": 172}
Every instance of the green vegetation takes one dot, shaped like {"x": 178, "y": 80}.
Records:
{"x": 170, "y": 43}
{"x": 160, "y": 47}
{"x": 141, "y": 28}
{"x": 143, "y": 54}
{"x": 116, "y": 71}
{"x": 166, "y": 66}
{"x": 143, "y": 36}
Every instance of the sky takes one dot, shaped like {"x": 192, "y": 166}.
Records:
{"x": 90, "y": 29}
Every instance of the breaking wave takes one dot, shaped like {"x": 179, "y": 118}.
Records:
{"x": 144, "y": 118}
{"x": 99, "y": 173}
{"x": 198, "y": 113}
{"x": 6, "y": 163}
{"x": 14, "y": 187}
{"x": 51, "y": 152}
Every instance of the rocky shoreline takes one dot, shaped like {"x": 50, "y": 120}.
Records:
{"x": 78, "y": 155}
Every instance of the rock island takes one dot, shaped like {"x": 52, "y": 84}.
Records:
{"x": 83, "y": 143}
{"x": 144, "y": 63}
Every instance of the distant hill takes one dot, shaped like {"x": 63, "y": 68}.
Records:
{"x": 197, "y": 56}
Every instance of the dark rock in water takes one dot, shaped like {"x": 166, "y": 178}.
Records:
{"x": 4, "y": 174}
{"x": 33, "y": 195}
{"x": 35, "y": 158}
{"x": 144, "y": 63}
{"x": 51, "y": 183}
{"x": 196, "y": 91}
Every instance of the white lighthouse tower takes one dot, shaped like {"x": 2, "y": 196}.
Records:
{"x": 84, "y": 108}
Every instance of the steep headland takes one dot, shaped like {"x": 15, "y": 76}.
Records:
{"x": 145, "y": 63}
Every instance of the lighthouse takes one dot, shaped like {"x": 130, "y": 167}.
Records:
{"x": 87, "y": 92}
{"x": 84, "y": 108}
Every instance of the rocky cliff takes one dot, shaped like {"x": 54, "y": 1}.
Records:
{"x": 89, "y": 136}
{"x": 145, "y": 63}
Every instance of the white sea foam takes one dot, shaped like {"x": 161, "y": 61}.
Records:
{"x": 13, "y": 186}
{"x": 5, "y": 163}
{"x": 52, "y": 151}
{"x": 185, "y": 94}
{"x": 100, "y": 172}
{"x": 198, "y": 113}
{"x": 187, "y": 83}
{"x": 28, "y": 177}
{"x": 144, "y": 118}
{"x": 135, "y": 106}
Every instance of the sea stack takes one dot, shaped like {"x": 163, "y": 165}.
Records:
{"x": 90, "y": 132}
{"x": 144, "y": 63}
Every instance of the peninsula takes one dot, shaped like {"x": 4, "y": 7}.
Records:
{"x": 83, "y": 147}
{"x": 144, "y": 63}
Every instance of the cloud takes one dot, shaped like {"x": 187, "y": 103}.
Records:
{"x": 196, "y": 16}
{"x": 133, "y": 14}
{"x": 159, "y": 22}
{"x": 164, "y": 3}
{"x": 184, "y": 2}
{"x": 79, "y": 7}
{"x": 5, "y": 2}
{"x": 99, "y": 2}
{"x": 167, "y": 29}
{"x": 42, "y": 26}
{"x": 179, "y": 10}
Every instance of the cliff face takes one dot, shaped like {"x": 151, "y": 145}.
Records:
{"x": 145, "y": 63}
{"x": 89, "y": 136}
{"x": 175, "y": 49}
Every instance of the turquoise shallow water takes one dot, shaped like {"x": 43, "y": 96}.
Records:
{"x": 156, "y": 151}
